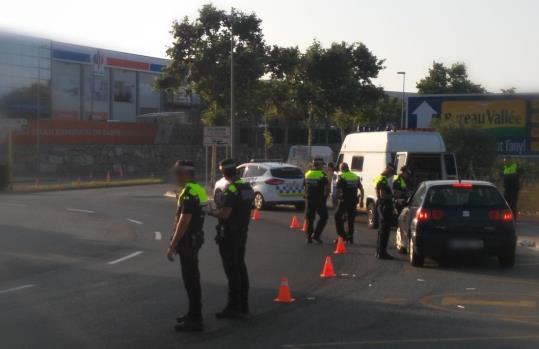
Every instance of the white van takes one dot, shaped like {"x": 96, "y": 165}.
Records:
{"x": 367, "y": 154}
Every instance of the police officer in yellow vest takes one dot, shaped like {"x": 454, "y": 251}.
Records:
{"x": 348, "y": 185}
{"x": 385, "y": 210}
{"x": 402, "y": 188}
{"x": 187, "y": 238}
{"x": 316, "y": 194}
{"x": 511, "y": 183}
{"x": 234, "y": 214}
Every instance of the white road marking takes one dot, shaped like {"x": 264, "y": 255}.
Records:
{"x": 79, "y": 210}
{"x": 470, "y": 288}
{"x": 134, "y": 254}
{"x": 134, "y": 221}
{"x": 170, "y": 194}
{"x": 158, "y": 235}
{"x": 19, "y": 288}
{"x": 12, "y": 204}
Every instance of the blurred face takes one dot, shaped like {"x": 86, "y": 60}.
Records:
{"x": 181, "y": 177}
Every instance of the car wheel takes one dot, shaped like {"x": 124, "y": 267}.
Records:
{"x": 259, "y": 202}
{"x": 416, "y": 259}
{"x": 399, "y": 242}
{"x": 508, "y": 260}
{"x": 372, "y": 216}
{"x": 300, "y": 206}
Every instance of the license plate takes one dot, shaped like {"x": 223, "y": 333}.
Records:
{"x": 466, "y": 244}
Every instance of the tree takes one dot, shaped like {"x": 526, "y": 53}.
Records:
{"x": 474, "y": 158}
{"x": 200, "y": 57}
{"x": 283, "y": 66}
{"x": 442, "y": 79}
{"x": 509, "y": 91}
{"x": 336, "y": 79}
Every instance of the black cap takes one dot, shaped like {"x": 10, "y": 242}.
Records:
{"x": 183, "y": 165}
{"x": 318, "y": 161}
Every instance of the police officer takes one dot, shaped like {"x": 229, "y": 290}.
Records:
{"x": 187, "y": 238}
{"x": 348, "y": 184}
{"x": 385, "y": 210}
{"x": 234, "y": 215}
{"x": 316, "y": 194}
{"x": 511, "y": 183}
{"x": 402, "y": 186}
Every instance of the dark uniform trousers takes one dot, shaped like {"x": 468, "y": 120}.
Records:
{"x": 348, "y": 208}
{"x": 385, "y": 216}
{"x": 188, "y": 252}
{"x": 511, "y": 196}
{"x": 312, "y": 209}
{"x": 232, "y": 250}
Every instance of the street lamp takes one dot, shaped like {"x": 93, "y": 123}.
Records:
{"x": 232, "y": 82}
{"x": 403, "y": 73}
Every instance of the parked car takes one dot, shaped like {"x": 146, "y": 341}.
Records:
{"x": 274, "y": 183}
{"x": 368, "y": 153}
{"x": 452, "y": 217}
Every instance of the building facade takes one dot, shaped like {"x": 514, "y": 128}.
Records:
{"x": 44, "y": 79}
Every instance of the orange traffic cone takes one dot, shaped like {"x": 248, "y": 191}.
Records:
{"x": 108, "y": 176}
{"x": 284, "y": 295}
{"x": 304, "y": 228}
{"x": 256, "y": 215}
{"x": 340, "y": 249}
{"x": 295, "y": 223}
{"x": 328, "y": 271}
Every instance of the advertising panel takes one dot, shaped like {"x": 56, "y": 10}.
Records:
{"x": 512, "y": 119}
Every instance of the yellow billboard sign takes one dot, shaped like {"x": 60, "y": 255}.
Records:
{"x": 485, "y": 113}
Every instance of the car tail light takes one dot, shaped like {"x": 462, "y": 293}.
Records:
{"x": 507, "y": 215}
{"x": 461, "y": 185}
{"x": 274, "y": 181}
{"x": 500, "y": 215}
{"x": 422, "y": 215}
{"x": 425, "y": 215}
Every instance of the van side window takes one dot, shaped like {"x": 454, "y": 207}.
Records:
{"x": 357, "y": 163}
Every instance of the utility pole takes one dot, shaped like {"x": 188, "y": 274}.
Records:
{"x": 232, "y": 83}
{"x": 402, "y": 101}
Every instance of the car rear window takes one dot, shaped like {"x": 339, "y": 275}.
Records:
{"x": 286, "y": 172}
{"x": 476, "y": 196}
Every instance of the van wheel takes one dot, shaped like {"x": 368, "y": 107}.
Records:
{"x": 399, "y": 242}
{"x": 416, "y": 259}
{"x": 372, "y": 216}
{"x": 259, "y": 202}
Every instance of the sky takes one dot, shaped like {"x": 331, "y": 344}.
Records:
{"x": 497, "y": 39}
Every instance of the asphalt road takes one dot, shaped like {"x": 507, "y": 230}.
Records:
{"x": 86, "y": 269}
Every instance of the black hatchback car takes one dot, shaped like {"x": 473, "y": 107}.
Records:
{"x": 452, "y": 217}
